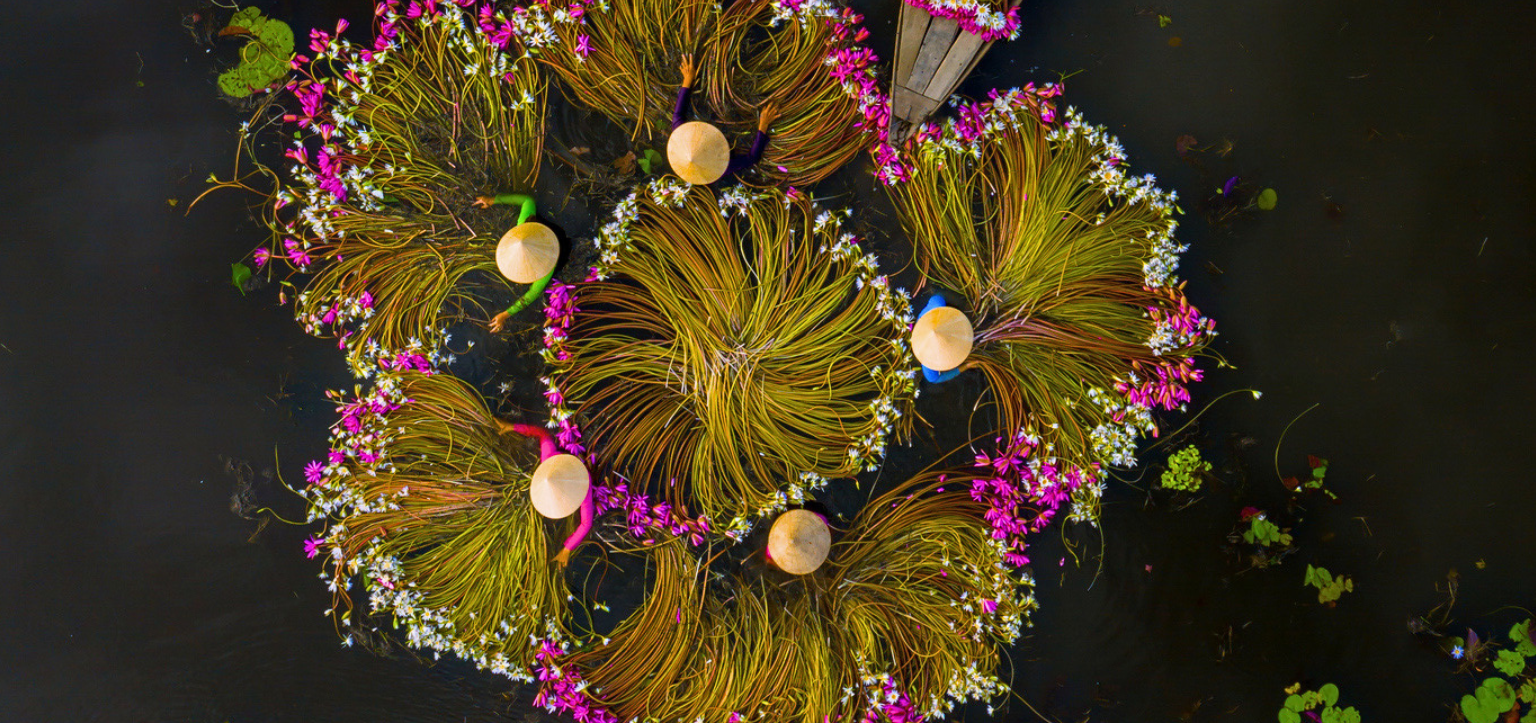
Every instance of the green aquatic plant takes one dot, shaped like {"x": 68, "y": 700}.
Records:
{"x": 732, "y": 352}
{"x": 1324, "y": 700}
{"x": 649, "y": 161}
{"x": 1497, "y": 696}
{"x": 1264, "y": 533}
{"x": 1267, "y": 535}
{"x": 239, "y": 275}
{"x": 1523, "y": 636}
{"x": 1329, "y": 588}
{"x": 1509, "y": 662}
{"x": 1268, "y": 543}
{"x": 1314, "y": 482}
{"x": 1496, "y": 699}
{"x": 1185, "y": 470}
{"x": 264, "y": 58}
{"x": 1492, "y": 699}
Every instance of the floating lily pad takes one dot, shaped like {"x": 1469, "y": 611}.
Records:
{"x": 265, "y": 57}
{"x": 239, "y": 274}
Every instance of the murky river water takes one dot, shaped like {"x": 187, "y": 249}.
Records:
{"x": 1393, "y": 286}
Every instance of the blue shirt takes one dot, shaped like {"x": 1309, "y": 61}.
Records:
{"x": 934, "y": 302}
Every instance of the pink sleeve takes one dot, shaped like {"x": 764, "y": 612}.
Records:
{"x": 588, "y": 510}
{"x": 547, "y": 447}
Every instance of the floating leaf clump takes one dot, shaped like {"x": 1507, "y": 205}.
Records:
{"x": 1186, "y": 470}
{"x": 1324, "y": 700}
{"x": 265, "y": 57}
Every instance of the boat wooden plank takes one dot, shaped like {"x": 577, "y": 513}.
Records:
{"x": 904, "y": 103}
{"x": 933, "y": 57}
{"x": 912, "y": 106}
{"x": 936, "y": 41}
{"x": 962, "y": 56}
{"x": 984, "y": 49}
{"x": 928, "y": 107}
{"x": 914, "y": 23}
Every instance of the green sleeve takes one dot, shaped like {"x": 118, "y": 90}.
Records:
{"x": 532, "y": 293}
{"x": 513, "y": 198}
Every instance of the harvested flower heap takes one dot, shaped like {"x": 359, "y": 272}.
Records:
{"x": 623, "y": 60}
{"x": 394, "y": 151}
{"x": 732, "y": 353}
{"x": 1065, "y": 263}
{"x": 428, "y": 508}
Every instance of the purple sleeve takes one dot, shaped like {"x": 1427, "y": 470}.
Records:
{"x": 742, "y": 163}
{"x": 680, "y": 109}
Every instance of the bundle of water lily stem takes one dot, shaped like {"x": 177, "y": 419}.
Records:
{"x": 734, "y": 355}
{"x": 623, "y": 59}
{"x": 1066, "y": 262}
{"x": 903, "y": 619}
{"x": 428, "y": 506}
{"x": 379, "y": 201}
{"x": 713, "y": 325}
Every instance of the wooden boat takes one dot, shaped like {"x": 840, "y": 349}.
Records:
{"x": 933, "y": 55}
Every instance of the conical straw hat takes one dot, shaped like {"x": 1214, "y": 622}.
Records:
{"x": 559, "y": 485}
{"x": 799, "y": 541}
{"x": 528, "y": 252}
{"x": 942, "y": 338}
{"x": 698, "y": 153}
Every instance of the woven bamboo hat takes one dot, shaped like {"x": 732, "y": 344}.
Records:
{"x": 799, "y": 541}
{"x": 528, "y": 252}
{"x": 941, "y": 338}
{"x": 559, "y": 485}
{"x": 698, "y": 153}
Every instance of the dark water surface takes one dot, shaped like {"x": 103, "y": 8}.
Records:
{"x": 1393, "y": 285}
